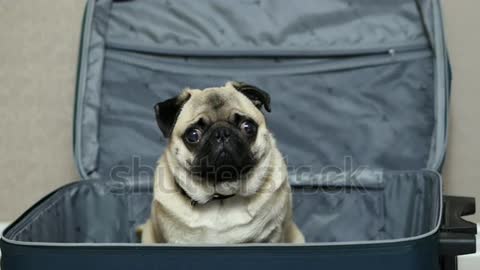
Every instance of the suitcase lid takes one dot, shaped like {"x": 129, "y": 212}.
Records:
{"x": 353, "y": 83}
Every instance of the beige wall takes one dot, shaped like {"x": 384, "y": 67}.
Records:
{"x": 462, "y": 171}
{"x": 38, "y": 54}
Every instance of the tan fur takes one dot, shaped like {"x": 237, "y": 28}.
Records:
{"x": 260, "y": 211}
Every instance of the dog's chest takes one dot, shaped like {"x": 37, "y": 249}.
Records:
{"x": 227, "y": 221}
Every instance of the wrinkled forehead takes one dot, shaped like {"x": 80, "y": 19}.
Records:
{"x": 218, "y": 104}
{"x": 214, "y": 102}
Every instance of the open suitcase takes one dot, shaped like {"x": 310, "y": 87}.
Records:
{"x": 360, "y": 94}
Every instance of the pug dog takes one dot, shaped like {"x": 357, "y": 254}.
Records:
{"x": 221, "y": 179}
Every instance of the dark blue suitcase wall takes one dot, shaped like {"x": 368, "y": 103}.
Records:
{"x": 376, "y": 69}
{"x": 94, "y": 221}
{"x": 419, "y": 254}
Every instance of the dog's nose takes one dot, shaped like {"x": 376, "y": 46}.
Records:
{"x": 222, "y": 134}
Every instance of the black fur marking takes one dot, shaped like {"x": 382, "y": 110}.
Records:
{"x": 216, "y": 101}
{"x": 167, "y": 112}
{"x": 258, "y": 97}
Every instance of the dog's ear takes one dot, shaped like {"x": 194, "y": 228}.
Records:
{"x": 167, "y": 112}
{"x": 256, "y": 95}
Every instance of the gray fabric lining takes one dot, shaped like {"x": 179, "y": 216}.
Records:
{"x": 377, "y": 109}
{"x": 272, "y": 25}
{"x": 380, "y": 116}
{"x": 402, "y": 205}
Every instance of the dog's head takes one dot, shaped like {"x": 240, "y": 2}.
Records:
{"x": 217, "y": 137}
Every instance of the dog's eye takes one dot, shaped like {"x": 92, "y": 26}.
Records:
{"x": 248, "y": 127}
{"x": 193, "y": 135}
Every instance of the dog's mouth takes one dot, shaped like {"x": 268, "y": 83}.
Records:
{"x": 223, "y": 166}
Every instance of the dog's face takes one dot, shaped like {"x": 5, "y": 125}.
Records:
{"x": 217, "y": 138}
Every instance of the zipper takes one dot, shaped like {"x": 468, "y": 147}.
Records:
{"x": 264, "y": 51}
{"x": 260, "y": 66}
